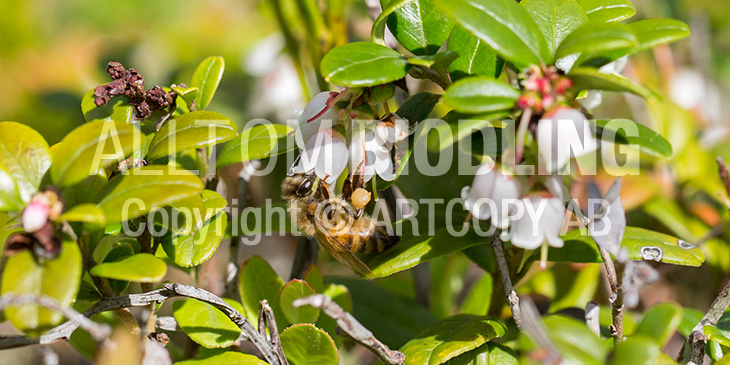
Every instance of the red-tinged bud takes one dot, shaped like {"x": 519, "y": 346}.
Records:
{"x": 562, "y": 85}
{"x": 530, "y": 99}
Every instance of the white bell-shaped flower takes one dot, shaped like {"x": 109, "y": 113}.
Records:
{"x": 317, "y": 116}
{"x": 541, "y": 221}
{"x": 561, "y": 135}
{"x": 368, "y": 155}
{"x": 493, "y": 195}
{"x": 326, "y": 154}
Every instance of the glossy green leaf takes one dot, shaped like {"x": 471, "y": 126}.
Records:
{"x": 480, "y": 94}
{"x": 90, "y": 147}
{"x": 213, "y": 203}
{"x": 413, "y": 250}
{"x": 205, "y": 324}
{"x": 439, "y": 61}
{"x": 58, "y": 278}
{"x": 118, "y": 253}
{"x": 362, "y": 64}
{"x": 142, "y": 189}
{"x": 193, "y": 250}
{"x": 183, "y": 217}
{"x": 715, "y": 335}
{"x": 475, "y": 57}
{"x": 306, "y": 344}
{"x": 451, "y": 337}
{"x": 643, "y": 244}
{"x": 87, "y": 213}
{"x": 24, "y": 159}
{"x": 393, "y": 318}
{"x": 192, "y": 130}
{"x": 206, "y": 78}
{"x": 479, "y": 299}
{"x": 377, "y": 34}
{"x": 660, "y": 322}
{"x": 228, "y": 358}
{"x": 591, "y": 79}
{"x": 419, "y": 26}
{"x": 188, "y": 94}
{"x": 487, "y": 354}
{"x": 607, "y": 10}
{"x": 653, "y": 32}
{"x": 141, "y": 268}
{"x": 576, "y": 343}
{"x": 594, "y": 38}
{"x": 292, "y": 291}
{"x": 459, "y": 126}
{"x": 628, "y": 132}
{"x": 258, "y": 281}
{"x": 503, "y": 25}
{"x": 582, "y": 288}
{"x": 556, "y": 19}
{"x": 255, "y": 143}
{"x": 117, "y": 109}
{"x": 636, "y": 350}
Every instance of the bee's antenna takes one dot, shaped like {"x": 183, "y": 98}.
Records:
{"x": 296, "y": 161}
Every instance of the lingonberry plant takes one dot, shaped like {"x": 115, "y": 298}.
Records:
{"x": 452, "y": 157}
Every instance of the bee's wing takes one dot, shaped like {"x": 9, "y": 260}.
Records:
{"x": 338, "y": 250}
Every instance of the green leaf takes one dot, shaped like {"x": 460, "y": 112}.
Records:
{"x": 413, "y": 250}
{"x": 636, "y": 350}
{"x": 206, "y": 78}
{"x": 258, "y": 281}
{"x": 24, "y": 159}
{"x": 117, "y": 109}
{"x": 503, "y": 25}
{"x": 193, "y": 250}
{"x": 205, "y": 324}
{"x": 577, "y": 344}
{"x": 129, "y": 196}
{"x": 479, "y": 299}
{"x": 141, "y": 268}
{"x": 305, "y": 344}
{"x": 451, "y": 337}
{"x": 660, "y": 322}
{"x": 581, "y": 290}
{"x": 188, "y": 94}
{"x": 213, "y": 203}
{"x": 475, "y": 57}
{"x": 458, "y": 126}
{"x": 87, "y": 213}
{"x": 377, "y": 34}
{"x": 607, "y": 10}
{"x": 255, "y": 143}
{"x": 653, "y": 32}
{"x": 292, "y": 291}
{"x": 589, "y": 78}
{"x": 90, "y": 147}
{"x": 228, "y": 358}
{"x": 594, "y": 38}
{"x": 439, "y": 61}
{"x": 313, "y": 277}
{"x": 419, "y": 26}
{"x": 363, "y": 64}
{"x": 480, "y": 94}
{"x": 183, "y": 217}
{"x": 192, "y": 130}
{"x": 630, "y": 133}
{"x": 58, "y": 278}
{"x": 393, "y": 318}
{"x": 487, "y": 354}
{"x": 556, "y": 19}
{"x": 714, "y": 334}
{"x": 638, "y": 240}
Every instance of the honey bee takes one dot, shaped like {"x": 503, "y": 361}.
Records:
{"x": 341, "y": 229}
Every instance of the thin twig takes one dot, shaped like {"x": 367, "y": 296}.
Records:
{"x": 99, "y": 331}
{"x": 267, "y": 314}
{"x": 512, "y": 299}
{"x": 352, "y": 327}
{"x": 617, "y": 301}
{"x": 63, "y": 332}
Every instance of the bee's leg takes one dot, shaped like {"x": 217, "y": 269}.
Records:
{"x": 296, "y": 161}
{"x": 358, "y": 213}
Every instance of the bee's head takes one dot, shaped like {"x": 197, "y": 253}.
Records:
{"x": 297, "y": 186}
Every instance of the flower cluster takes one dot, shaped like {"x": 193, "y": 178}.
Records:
{"x": 527, "y": 219}
{"x": 545, "y": 88}
{"x": 333, "y": 138}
